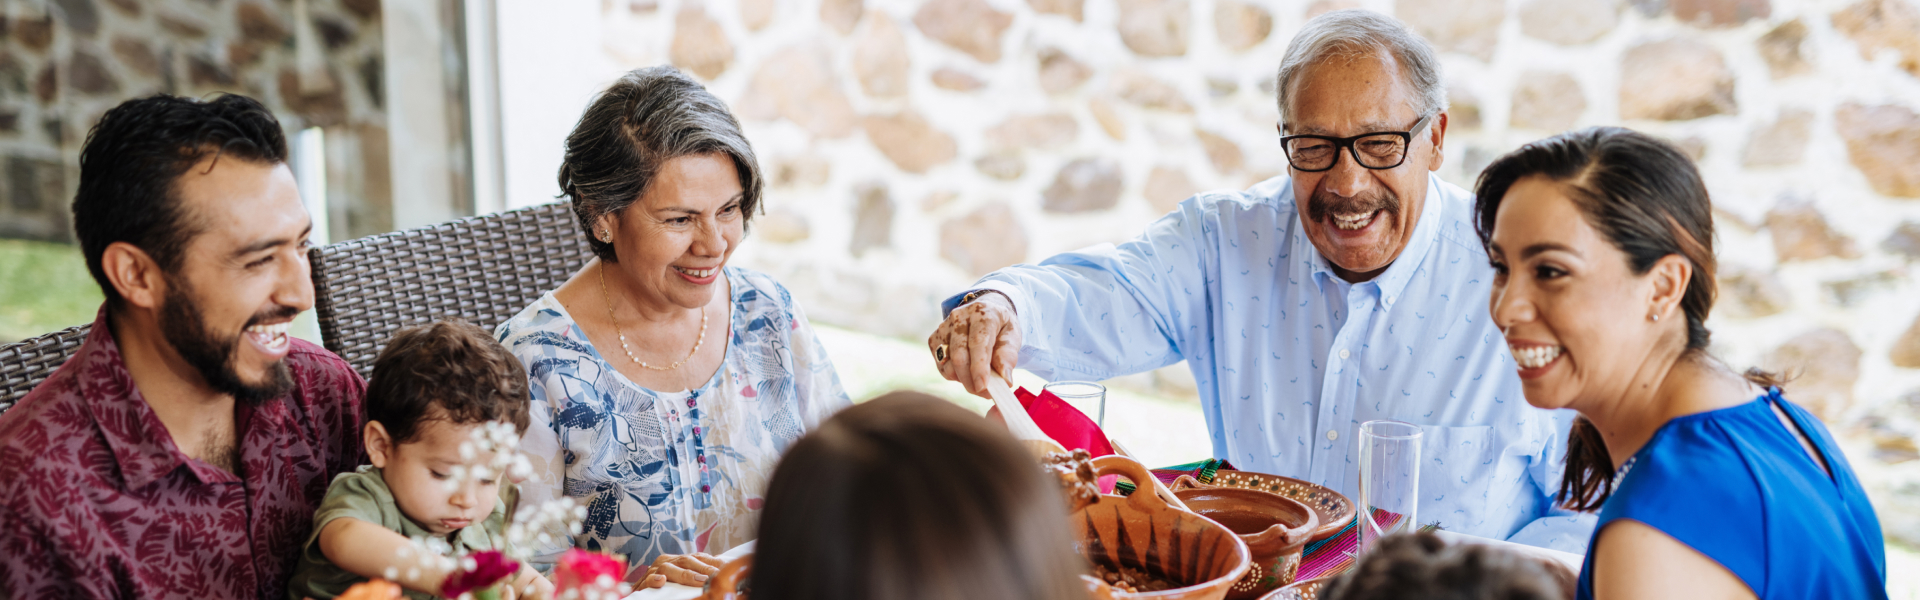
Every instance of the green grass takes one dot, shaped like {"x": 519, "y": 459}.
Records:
{"x": 43, "y": 287}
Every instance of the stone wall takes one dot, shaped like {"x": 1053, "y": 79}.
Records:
{"x": 65, "y": 62}
{"x": 916, "y": 145}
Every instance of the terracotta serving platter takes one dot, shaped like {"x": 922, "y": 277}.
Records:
{"x": 1335, "y": 510}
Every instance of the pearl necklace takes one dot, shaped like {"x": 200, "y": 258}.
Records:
{"x": 623, "y": 336}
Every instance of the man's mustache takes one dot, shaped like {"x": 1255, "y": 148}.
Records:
{"x": 1323, "y": 204}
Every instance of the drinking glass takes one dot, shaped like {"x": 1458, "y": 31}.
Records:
{"x": 1389, "y": 479}
{"x": 1089, "y": 397}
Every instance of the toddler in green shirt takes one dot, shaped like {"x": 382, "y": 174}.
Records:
{"x": 433, "y": 387}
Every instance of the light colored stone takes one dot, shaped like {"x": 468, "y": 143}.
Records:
{"x": 1675, "y": 79}
{"x": 1108, "y": 117}
{"x": 1801, "y": 232}
{"x": 798, "y": 84}
{"x": 872, "y": 218}
{"x": 1721, "y": 13}
{"x": 1463, "y": 110}
{"x": 1221, "y": 86}
{"x": 699, "y": 44}
{"x": 1470, "y": 27}
{"x": 758, "y": 14}
{"x": 87, "y": 74}
{"x": 1059, "y": 72}
{"x": 1239, "y": 25}
{"x": 1155, "y": 28}
{"x": 1072, "y": 9}
{"x": 320, "y": 109}
{"x": 970, "y": 26}
{"x": 949, "y": 78}
{"x": 1044, "y": 131}
{"x": 937, "y": 199}
{"x": 782, "y": 226}
{"x": 1084, "y": 185}
{"x": 1884, "y": 143}
{"x": 1222, "y": 152}
{"x": 1782, "y": 142}
{"x": 1569, "y": 22}
{"x": 842, "y": 15}
{"x": 1906, "y": 350}
{"x": 986, "y": 239}
{"x": 1321, "y": 7}
{"x": 1881, "y": 25}
{"x": 907, "y": 139}
{"x": 259, "y": 23}
{"x": 1547, "y": 101}
{"x": 809, "y": 170}
{"x": 1852, "y": 292}
{"x": 1004, "y": 165}
{"x": 1649, "y": 8}
{"x": 1695, "y": 147}
{"x": 1904, "y": 241}
{"x": 1828, "y": 364}
{"x": 880, "y": 57}
{"x": 1145, "y": 91}
{"x": 1785, "y": 49}
{"x": 1167, "y": 185}
{"x": 1750, "y": 293}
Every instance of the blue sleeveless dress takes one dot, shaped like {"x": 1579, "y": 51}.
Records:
{"x": 1736, "y": 486}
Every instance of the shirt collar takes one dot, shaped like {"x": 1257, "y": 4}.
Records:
{"x": 1391, "y": 282}
{"x": 140, "y": 443}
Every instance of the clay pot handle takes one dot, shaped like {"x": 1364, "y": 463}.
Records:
{"x": 1143, "y": 480}
{"x": 1187, "y": 482}
{"x": 725, "y": 584}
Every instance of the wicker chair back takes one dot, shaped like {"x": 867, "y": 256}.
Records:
{"x": 26, "y": 363}
{"x": 482, "y": 269}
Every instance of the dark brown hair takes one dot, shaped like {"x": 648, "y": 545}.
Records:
{"x": 133, "y": 156}
{"x": 1645, "y": 198}
{"x": 452, "y": 365}
{"x": 648, "y": 117}
{"x": 1421, "y": 566}
{"x": 909, "y": 496}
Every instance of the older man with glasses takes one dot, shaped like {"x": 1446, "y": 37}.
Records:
{"x": 1349, "y": 290}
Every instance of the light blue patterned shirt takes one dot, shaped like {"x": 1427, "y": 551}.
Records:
{"x": 1290, "y": 358}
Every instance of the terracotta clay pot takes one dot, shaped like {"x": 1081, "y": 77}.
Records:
{"x": 1275, "y": 528}
{"x": 1143, "y": 532}
{"x": 1308, "y": 589}
{"x": 725, "y": 584}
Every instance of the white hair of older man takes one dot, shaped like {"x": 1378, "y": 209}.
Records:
{"x": 1356, "y": 33}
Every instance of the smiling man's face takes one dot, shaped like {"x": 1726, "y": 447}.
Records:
{"x": 1360, "y": 218}
{"x": 241, "y": 278}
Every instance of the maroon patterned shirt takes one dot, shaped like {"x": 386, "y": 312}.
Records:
{"x": 97, "y": 502}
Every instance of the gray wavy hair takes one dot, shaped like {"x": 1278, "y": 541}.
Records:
{"x": 1356, "y": 33}
{"x": 648, "y": 117}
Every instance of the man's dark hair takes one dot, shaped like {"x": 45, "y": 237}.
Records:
{"x": 1421, "y": 566}
{"x": 450, "y": 364}
{"x": 133, "y": 157}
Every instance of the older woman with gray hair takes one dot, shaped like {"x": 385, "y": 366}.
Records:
{"x": 665, "y": 382}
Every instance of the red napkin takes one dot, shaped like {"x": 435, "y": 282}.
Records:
{"x": 1066, "y": 425}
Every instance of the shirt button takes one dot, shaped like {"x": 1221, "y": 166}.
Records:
{"x": 1332, "y": 435}
{"x": 1343, "y": 353}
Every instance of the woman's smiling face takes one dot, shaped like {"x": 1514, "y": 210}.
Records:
{"x": 1575, "y": 315}
{"x": 674, "y": 239}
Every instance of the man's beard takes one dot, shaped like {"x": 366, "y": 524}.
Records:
{"x": 1323, "y": 205}
{"x": 186, "y": 329}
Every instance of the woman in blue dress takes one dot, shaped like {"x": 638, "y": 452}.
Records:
{"x": 665, "y": 382}
{"x": 1709, "y": 482}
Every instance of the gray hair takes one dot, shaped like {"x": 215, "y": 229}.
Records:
{"x": 1354, "y": 33}
{"x": 648, "y": 117}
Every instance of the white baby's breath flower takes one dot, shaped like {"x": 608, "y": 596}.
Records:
{"x": 413, "y": 573}
{"x": 391, "y": 573}
{"x": 467, "y": 451}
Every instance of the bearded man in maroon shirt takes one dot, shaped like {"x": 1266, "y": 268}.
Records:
{"x": 182, "y": 450}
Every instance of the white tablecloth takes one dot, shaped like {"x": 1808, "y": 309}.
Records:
{"x": 675, "y": 591}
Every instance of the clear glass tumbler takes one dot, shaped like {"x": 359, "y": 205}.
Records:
{"x": 1389, "y": 480}
{"x": 1089, "y": 397}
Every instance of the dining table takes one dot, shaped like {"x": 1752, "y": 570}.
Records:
{"x": 675, "y": 591}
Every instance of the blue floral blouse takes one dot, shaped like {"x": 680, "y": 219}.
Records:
{"x": 669, "y": 473}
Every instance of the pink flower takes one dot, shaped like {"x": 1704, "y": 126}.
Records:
{"x": 582, "y": 570}
{"x": 489, "y": 568}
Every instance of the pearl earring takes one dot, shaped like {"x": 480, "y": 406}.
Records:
{"x": 605, "y": 236}
{"x": 1654, "y": 316}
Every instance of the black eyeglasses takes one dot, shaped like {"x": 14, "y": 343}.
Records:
{"x": 1381, "y": 150}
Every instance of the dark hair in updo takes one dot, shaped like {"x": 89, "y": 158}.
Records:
{"x": 648, "y": 117}
{"x": 1645, "y": 198}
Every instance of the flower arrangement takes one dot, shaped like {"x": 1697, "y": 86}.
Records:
{"x": 480, "y": 575}
{"x": 582, "y": 575}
